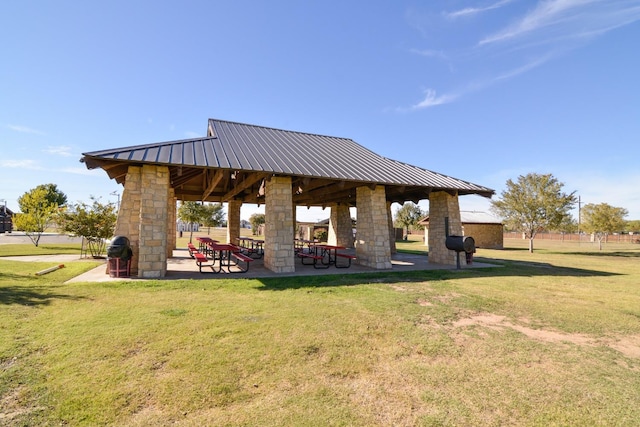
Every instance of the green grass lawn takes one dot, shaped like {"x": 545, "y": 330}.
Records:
{"x": 549, "y": 338}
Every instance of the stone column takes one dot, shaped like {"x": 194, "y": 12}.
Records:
{"x": 279, "y": 227}
{"x": 392, "y": 230}
{"x": 443, "y": 205}
{"x": 372, "y": 238}
{"x": 233, "y": 221}
{"x": 129, "y": 213}
{"x": 152, "y": 262}
{"x": 171, "y": 223}
{"x": 340, "y": 226}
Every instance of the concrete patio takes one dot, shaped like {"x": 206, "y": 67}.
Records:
{"x": 182, "y": 266}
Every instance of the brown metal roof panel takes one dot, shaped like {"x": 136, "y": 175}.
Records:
{"x": 138, "y": 155}
{"x": 176, "y": 154}
{"x": 200, "y": 153}
{"x": 210, "y": 157}
{"x": 188, "y": 154}
{"x": 164, "y": 154}
{"x": 152, "y": 154}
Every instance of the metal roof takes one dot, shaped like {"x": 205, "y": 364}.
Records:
{"x": 472, "y": 217}
{"x": 255, "y": 152}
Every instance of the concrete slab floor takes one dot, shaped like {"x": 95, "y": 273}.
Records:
{"x": 182, "y": 266}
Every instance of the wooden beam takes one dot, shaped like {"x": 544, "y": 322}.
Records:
{"x": 246, "y": 183}
{"x": 212, "y": 183}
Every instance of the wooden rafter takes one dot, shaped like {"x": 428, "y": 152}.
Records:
{"x": 213, "y": 181}
{"x": 246, "y": 183}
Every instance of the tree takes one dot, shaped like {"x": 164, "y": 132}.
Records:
{"x": 568, "y": 225}
{"x": 633, "y": 226}
{"x": 602, "y": 219}
{"x": 95, "y": 223}
{"x": 212, "y": 215}
{"x": 54, "y": 196}
{"x": 256, "y": 220}
{"x": 534, "y": 203}
{"x": 37, "y": 213}
{"x": 191, "y": 213}
{"x": 408, "y": 216}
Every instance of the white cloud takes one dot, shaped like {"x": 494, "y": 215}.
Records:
{"x": 569, "y": 19}
{"x": 551, "y": 28}
{"x": 523, "y": 69}
{"x": 469, "y": 11}
{"x": 431, "y": 100}
{"x": 24, "y": 129}
{"x": 61, "y": 150}
{"x": 20, "y": 164}
{"x": 191, "y": 134}
{"x": 82, "y": 171}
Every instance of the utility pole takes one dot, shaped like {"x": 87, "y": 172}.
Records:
{"x": 579, "y": 219}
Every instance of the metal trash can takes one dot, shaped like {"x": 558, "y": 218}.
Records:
{"x": 119, "y": 255}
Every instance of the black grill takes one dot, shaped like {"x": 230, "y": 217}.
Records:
{"x": 120, "y": 248}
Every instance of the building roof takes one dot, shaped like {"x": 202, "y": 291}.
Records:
{"x": 472, "y": 217}
{"x": 234, "y": 159}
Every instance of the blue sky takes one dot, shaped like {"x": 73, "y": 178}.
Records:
{"x": 483, "y": 91}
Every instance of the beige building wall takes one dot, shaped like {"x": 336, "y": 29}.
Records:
{"x": 488, "y": 236}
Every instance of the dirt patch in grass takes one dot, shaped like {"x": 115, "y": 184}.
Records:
{"x": 629, "y": 346}
{"x": 12, "y": 406}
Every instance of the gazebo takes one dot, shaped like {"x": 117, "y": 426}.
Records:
{"x": 240, "y": 163}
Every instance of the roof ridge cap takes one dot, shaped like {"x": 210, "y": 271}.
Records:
{"x": 282, "y": 130}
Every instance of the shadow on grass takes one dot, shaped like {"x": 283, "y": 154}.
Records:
{"x": 30, "y": 296}
{"x": 502, "y": 269}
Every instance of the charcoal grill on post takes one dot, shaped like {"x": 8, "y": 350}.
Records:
{"x": 119, "y": 255}
{"x": 459, "y": 244}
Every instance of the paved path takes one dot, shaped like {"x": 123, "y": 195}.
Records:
{"x": 18, "y": 237}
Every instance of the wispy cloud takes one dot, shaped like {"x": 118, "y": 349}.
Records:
{"x": 569, "y": 19}
{"x": 82, "y": 171}
{"x": 20, "y": 164}
{"x": 469, "y": 11}
{"x": 191, "y": 134}
{"x": 430, "y": 53}
{"x": 24, "y": 129}
{"x": 523, "y": 69}
{"x": 528, "y": 41}
{"x": 431, "y": 99}
{"x": 61, "y": 150}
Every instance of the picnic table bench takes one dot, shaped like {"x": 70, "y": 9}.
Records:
{"x": 219, "y": 254}
{"x": 203, "y": 261}
{"x": 324, "y": 255}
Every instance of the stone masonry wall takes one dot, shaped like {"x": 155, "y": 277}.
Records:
{"x": 152, "y": 262}
{"x": 372, "y": 238}
{"x": 392, "y": 230}
{"x": 279, "y": 226}
{"x": 171, "y": 222}
{"x": 443, "y": 205}
{"x": 340, "y": 226}
{"x": 129, "y": 213}
{"x": 233, "y": 221}
{"x": 488, "y": 236}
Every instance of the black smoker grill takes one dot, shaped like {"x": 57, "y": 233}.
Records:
{"x": 119, "y": 255}
{"x": 459, "y": 244}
